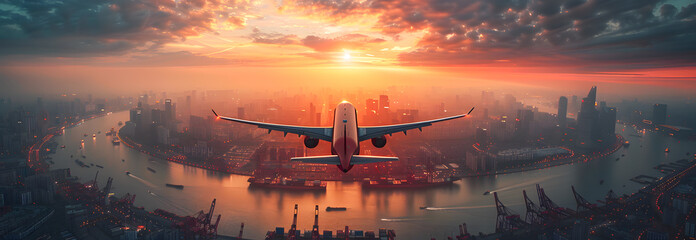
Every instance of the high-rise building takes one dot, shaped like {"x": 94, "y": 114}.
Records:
{"x": 168, "y": 111}
{"x": 562, "y": 111}
{"x": 383, "y": 111}
{"x": 241, "y": 113}
{"x": 595, "y": 127}
{"x": 312, "y": 114}
{"x": 659, "y": 114}
{"x": 371, "y": 109}
{"x": 587, "y": 118}
{"x": 607, "y": 123}
{"x": 523, "y": 123}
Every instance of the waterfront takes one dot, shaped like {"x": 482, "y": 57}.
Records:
{"x": 262, "y": 209}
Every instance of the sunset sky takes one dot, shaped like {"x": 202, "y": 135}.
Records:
{"x": 642, "y": 42}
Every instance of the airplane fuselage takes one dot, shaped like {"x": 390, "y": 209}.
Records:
{"x": 345, "y": 134}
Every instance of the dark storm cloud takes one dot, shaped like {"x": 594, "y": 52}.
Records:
{"x": 77, "y": 28}
{"x": 319, "y": 44}
{"x": 646, "y": 32}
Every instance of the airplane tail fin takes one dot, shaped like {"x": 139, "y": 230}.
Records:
{"x": 364, "y": 159}
{"x": 326, "y": 159}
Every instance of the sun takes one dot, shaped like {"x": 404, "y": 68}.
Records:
{"x": 346, "y": 56}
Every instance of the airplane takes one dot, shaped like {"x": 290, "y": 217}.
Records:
{"x": 345, "y": 136}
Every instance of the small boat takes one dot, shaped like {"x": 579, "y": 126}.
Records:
{"x": 666, "y": 150}
{"x": 94, "y": 135}
{"x": 82, "y": 141}
{"x": 99, "y": 166}
{"x": 177, "y": 186}
{"x": 487, "y": 192}
{"x": 83, "y": 156}
{"x": 86, "y": 135}
{"x": 423, "y": 207}
{"x": 335, "y": 209}
{"x": 99, "y": 132}
{"x": 151, "y": 170}
{"x": 623, "y": 155}
{"x": 123, "y": 160}
{"x": 127, "y": 173}
{"x": 64, "y": 147}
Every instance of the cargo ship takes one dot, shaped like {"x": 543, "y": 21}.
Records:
{"x": 404, "y": 183}
{"x": 80, "y": 163}
{"x": 177, "y": 186}
{"x": 111, "y": 132}
{"x": 116, "y": 141}
{"x": 151, "y": 170}
{"x": 287, "y": 183}
{"x": 335, "y": 209}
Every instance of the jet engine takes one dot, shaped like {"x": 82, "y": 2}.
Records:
{"x": 379, "y": 142}
{"x": 311, "y": 142}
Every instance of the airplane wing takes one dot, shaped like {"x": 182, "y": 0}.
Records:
{"x": 325, "y": 134}
{"x": 365, "y": 133}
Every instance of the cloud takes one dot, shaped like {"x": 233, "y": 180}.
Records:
{"x": 319, "y": 44}
{"x": 541, "y": 32}
{"x": 77, "y": 28}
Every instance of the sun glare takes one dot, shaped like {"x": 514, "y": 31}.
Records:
{"x": 346, "y": 56}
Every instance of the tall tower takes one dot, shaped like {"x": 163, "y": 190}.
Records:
{"x": 384, "y": 109}
{"x": 659, "y": 114}
{"x": 168, "y": 111}
{"x": 312, "y": 114}
{"x": 562, "y": 111}
{"x": 587, "y": 119}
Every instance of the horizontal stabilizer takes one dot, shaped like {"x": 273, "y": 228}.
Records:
{"x": 363, "y": 159}
{"x": 326, "y": 159}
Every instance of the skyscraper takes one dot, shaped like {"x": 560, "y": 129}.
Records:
{"x": 384, "y": 109}
{"x": 562, "y": 111}
{"x": 371, "y": 108}
{"x": 595, "y": 127}
{"x": 168, "y": 111}
{"x": 587, "y": 119}
{"x": 312, "y": 114}
{"x": 574, "y": 105}
{"x": 659, "y": 114}
{"x": 241, "y": 113}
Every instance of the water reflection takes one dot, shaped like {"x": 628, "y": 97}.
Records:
{"x": 367, "y": 209}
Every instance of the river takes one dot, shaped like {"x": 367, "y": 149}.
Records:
{"x": 263, "y": 210}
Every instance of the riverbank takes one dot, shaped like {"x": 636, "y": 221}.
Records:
{"x": 34, "y": 159}
{"x": 570, "y": 160}
{"x": 178, "y": 158}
